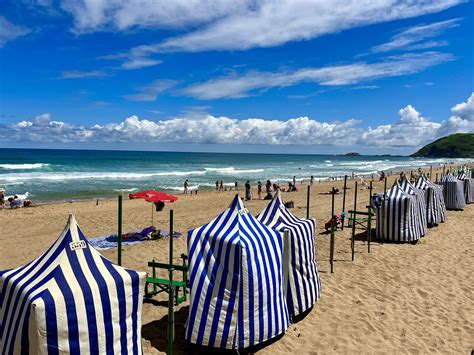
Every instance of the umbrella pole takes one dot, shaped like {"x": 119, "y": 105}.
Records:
{"x": 152, "y": 214}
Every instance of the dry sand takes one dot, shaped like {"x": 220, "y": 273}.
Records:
{"x": 397, "y": 299}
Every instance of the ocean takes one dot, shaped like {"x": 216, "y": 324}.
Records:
{"x": 57, "y": 175}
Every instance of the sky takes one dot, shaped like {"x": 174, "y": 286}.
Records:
{"x": 296, "y": 76}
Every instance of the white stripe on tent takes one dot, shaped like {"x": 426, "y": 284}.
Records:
{"x": 65, "y": 301}
{"x": 236, "y": 280}
{"x": 304, "y": 281}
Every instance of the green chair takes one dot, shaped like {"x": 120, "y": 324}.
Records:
{"x": 163, "y": 285}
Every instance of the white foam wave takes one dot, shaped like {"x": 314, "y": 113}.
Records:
{"x": 23, "y": 166}
{"x": 20, "y": 196}
{"x": 231, "y": 170}
{"x": 126, "y": 190}
{"x": 8, "y": 178}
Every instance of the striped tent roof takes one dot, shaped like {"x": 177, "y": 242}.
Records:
{"x": 71, "y": 300}
{"x": 453, "y": 192}
{"x": 304, "y": 282}
{"x": 398, "y": 217}
{"x": 236, "y": 281}
{"x": 468, "y": 186}
{"x": 435, "y": 207}
{"x": 409, "y": 188}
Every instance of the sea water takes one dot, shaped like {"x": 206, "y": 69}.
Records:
{"x": 45, "y": 175}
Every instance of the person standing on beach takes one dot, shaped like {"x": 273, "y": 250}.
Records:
{"x": 221, "y": 186}
{"x": 2, "y": 198}
{"x": 294, "y": 180}
{"x": 217, "y": 185}
{"x": 312, "y": 180}
{"x": 236, "y": 183}
{"x": 259, "y": 190}
{"x": 248, "y": 191}
{"x": 186, "y": 186}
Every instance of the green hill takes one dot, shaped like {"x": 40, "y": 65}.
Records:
{"x": 460, "y": 145}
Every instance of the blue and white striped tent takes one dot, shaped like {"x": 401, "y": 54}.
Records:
{"x": 453, "y": 192}
{"x": 237, "y": 280}
{"x": 397, "y": 220}
{"x": 468, "y": 186}
{"x": 435, "y": 207}
{"x": 420, "y": 200}
{"x": 71, "y": 300}
{"x": 304, "y": 284}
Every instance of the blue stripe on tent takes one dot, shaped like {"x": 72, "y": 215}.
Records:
{"x": 71, "y": 312}
{"x": 120, "y": 288}
{"x": 232, "y": 296}
{"x": 51, "y": 324}
{"x": 135, "y": 294}
{"x": 88, "y": 299}
{"x": 212, "y": 279}
{"x": 193, "y": 310}
{"x": 105, "y": 298}
{"x": 221, "y": 289}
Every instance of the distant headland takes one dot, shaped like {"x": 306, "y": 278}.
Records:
{"x": 460, "y": 145}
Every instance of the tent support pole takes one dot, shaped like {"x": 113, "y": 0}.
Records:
{"x": 171, "y": 290}
{"x": 344, "y": 200}
{"x": 307, "y": 202}
{"x": 383, "y": 209}
{"x": 119, "y": 232}
{"x": 331, "y": 246}
{"x": 353, "y": 221}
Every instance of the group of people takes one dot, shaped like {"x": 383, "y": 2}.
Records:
{"x": 14, "y": 201}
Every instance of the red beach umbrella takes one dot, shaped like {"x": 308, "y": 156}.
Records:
{"x": 155, "y": 197}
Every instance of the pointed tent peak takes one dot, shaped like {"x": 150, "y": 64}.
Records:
{"x": 277, "y": 197}
{"x": 237, "y": 203}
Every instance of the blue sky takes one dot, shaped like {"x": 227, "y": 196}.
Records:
{"x": 307, "y": 76}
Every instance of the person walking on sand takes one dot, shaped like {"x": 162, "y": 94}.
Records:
{"x": 2, "y": 198}
{"x": 186, "y": 186}
{"x": 221, "y": 186}
{"x": 248, "y": 191}
{"x": 259, "y": 190}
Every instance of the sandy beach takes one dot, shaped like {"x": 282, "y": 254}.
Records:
{"x": 397, "y": 299}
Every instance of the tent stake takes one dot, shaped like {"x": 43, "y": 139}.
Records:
{"x": 119, "y": 256}
{"x": 171, "y": 290}
{"x": 331, "y": 246}
{"x": 344, "y": 200}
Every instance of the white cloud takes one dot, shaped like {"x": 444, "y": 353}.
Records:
{"x": 465, "y": 110}
{"x": 234, "y": 86}
{"x": 240, "y": 25}
{"x": 10, "y": 32}
{"x": 151, "y": 91}
{"x": 78, "y": 74}
{"x": 414, "y": 37}
{"x": 412, "y": 129}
